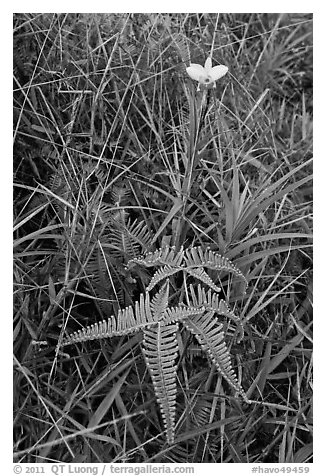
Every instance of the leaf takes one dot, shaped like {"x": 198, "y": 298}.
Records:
{"x": 161, "y": 350}
{"x": 245, "y": 260}
{"x": 201, "y": 275}
{"x": 161, "y": 274}
{"x": 261, "y": 203}
{"x": 159, "y": 322}
{"x": 106, "y": 403}
{"x": 175, "y": 314}
{"x": 52, "y": 293}
{"x": 196, "y": 257}
{"x": 208, "y": 331}
{"x": 178, "y": 204}
{"x": 159, "y": 302}
{"x": 164, "y": 256}
{"x": 42, "y": 233}
{"x": 128, "y": 321}
{"x": 270, "y": 237}
{"x": 285, "y": 351}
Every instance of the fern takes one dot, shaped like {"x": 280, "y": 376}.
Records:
{"x": 181, "y": 312}
{"x": 128, "y": 321}
{"x": 161, "y": 350}
{"x": 208, "y": 331}
{"x": 193, "y": 261}
{"x": 182, "y": 47}
{"x": 161, "y": 274}
{"x": 210, "y": 301}
{"x": 115, "y": 240}
{"x": 126, "y": 239}
{"x": 119, "y": 193}
{"x": 121, "y": 243}
{"x": 196, "y": 257}
{"x": 107, "y": 277}
{"x": 163, "y": 256}
{"x": 160, "y": 301}
{"x": 159, "y": 323}
{"x": 202, "y": 410}
{"x": 140, "y": 234}
{"x": 201, "y": 275}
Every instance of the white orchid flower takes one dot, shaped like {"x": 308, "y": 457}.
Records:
{"x": 207, "y": 74}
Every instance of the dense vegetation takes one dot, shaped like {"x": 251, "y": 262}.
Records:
{"x": 116, "y": 154}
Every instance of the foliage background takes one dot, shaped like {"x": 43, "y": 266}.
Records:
{"x": 101, "y": 140}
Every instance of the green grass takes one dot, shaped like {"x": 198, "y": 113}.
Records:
{"x": 114, "y": 155}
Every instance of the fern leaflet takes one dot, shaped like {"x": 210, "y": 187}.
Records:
{"x": 208, "y": 331}
{"x": 161, "y": 257}
{"x": 162, "y": 273}
{"x": 175, "y": 314}
{"x": 210, "y": 301}
{"x": 196, "y": 257}
{"x": 128, "y": 321}
{"x": 201, "y": 275}
{"x": 161, "y": 350}
{"x": 159, "y": 302}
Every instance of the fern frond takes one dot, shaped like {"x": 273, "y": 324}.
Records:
{"x": 201, "y": 413}
{"x": 128, "y": 321}
{"x": 102, "y": 213}
{"x": 224, "y": 310}
{"x": 106, "y": 276}
{"x": 119, "y": 193}
{"x": 97, "y": 266}
{"x": 160, "y": 301}
{"x": 162, "y": 273}
{"x": 161, "y": 350}
{"x": 158, "y": 321}
{"x": 178, "y": 313}
{"x": 208, "y": 331}
{"x": 164, "y": 256}
{"x": 182, "y": 47}
{"x": 196, "y": 257}
{"x": 140, "y": 234}
{"x": 211, "y": 302}
{"x": 121, "y": 242}
{"x": 201, "y": 275}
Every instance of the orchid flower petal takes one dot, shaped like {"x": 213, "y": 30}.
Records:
{"x": 208, "y": 64}
{"x": 218, "y": 71}
{"x": 196, "y": 71}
